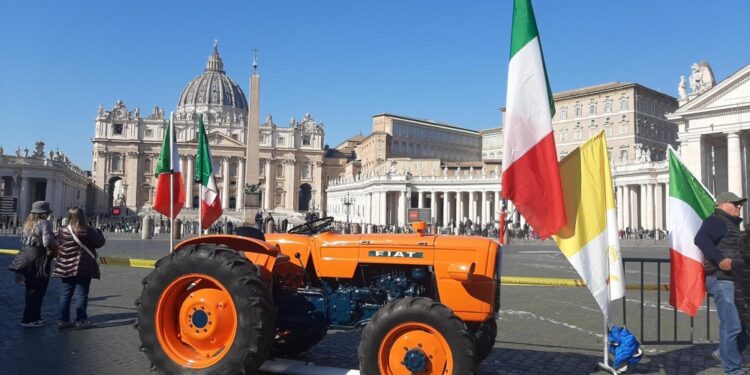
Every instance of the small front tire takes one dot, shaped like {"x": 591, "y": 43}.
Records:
{"x": 416, "y": 335}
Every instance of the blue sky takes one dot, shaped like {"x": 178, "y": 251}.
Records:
{"x": 342, "y": 61}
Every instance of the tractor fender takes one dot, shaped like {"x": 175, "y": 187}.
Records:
{"x": 261, "y": 253}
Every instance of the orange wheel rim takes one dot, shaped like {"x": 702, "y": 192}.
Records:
{"x": 196, "y": 321}
{"x": 414, "y": 338}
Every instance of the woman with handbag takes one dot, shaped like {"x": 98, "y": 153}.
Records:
{"x": 32, "y": 264}
{"x": 76, "y": 265}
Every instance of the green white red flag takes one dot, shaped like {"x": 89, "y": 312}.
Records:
{"x": 689, "y": 204}
{"x": 204, "y": 175}
{"x": 170, "y": 182}
{"x": 531, "y": 176}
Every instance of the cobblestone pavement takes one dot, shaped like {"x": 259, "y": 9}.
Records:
{"x": 541, "y": 330}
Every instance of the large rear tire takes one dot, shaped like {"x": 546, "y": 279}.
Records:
{"x": 205, "y": 309}
{"x": 416, "y": 335}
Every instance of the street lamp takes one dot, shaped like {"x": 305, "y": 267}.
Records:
{"x": 347, "y": 202}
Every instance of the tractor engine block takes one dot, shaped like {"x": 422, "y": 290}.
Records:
{"x": 348, "y": 305}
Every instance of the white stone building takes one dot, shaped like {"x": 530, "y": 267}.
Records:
{"x": 714, "y": 130}
{"x": 634, "y": 119}
{"x": 413, "y": 163}
{"x": 28, "y": 176}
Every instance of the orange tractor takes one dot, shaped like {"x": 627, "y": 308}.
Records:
{"x": 223, "y": 304}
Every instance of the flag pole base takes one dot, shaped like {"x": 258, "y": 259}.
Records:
{"x": 605, "y": 367}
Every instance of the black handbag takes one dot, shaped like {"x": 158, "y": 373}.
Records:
{"x": 24, "y": 260}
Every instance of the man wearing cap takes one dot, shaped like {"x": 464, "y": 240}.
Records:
{"x": 719, "y": 240}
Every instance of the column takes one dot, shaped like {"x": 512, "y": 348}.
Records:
{"x": 459, "y": 207}
{"x": 649, "y": 211}
{"x": 620, "y": 216}
{"x": 433, "y": 207}
{"x": 189, "y": 182}
{"x": 269, "y": 191}
{"x": 446, "y": 209}
{"x": 485, "y": 208}
{"x": 49, "y": 194}
{"x": 420, "y": 201}
{"x": 240, "y": 184}
{"x": 659, "y": 206}
{"x": 626, "y": 207}
{"x": 401, "y": 208}
{"x": 666, "y": 205}
{"x": 368, "y": 211}
{"x": 292, "y": 189}
{"x": 734, "y": 164}
{"x": 182, "y": 164}
{"x": 24, "y": 206}
{"x": 225, "y": 183}
{"x": 383, "y": 207}
{"x": 58, "y": 197}
{"x": 498, "y": 208}
{"x": 634, "y": 206}
{"x": 473, "y": 206}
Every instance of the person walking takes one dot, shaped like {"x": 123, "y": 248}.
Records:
{"x": 76, "y": 265}
{"x": 719, "y": 240}
{"x": 259, "y": 220}
{"x": 32, "y": 264}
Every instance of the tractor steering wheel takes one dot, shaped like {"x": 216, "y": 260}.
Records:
{"x": 312, "y": 227}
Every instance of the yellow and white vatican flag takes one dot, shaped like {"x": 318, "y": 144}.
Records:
{"x": 590, "y": 239}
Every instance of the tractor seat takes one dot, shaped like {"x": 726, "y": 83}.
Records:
{"x": 248, "y": 231}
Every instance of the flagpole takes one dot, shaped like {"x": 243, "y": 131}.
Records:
{"x": 171, "y": 181}
{"x": 200, "y": 213}
{"x": 604, "y": 365}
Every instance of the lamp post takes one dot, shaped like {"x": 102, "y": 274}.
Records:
{"x": 347, "y": 202}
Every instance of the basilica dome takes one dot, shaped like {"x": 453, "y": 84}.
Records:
{"x": 213, "y": 93}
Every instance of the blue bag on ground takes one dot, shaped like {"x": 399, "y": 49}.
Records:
{"x": 625, "y": 347}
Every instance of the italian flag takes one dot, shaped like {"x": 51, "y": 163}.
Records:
{"x": 689, "y": 204}
{"x": 169, "y": 176}
{"x": 531, "y": 177}
{"x": 204, "y": 175}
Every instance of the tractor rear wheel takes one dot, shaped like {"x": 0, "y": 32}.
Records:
{"x": 484, "y": 335}
{"x": 416, "y": 336}
{"x": 205, "y": 309}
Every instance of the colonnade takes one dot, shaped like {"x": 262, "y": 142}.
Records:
{"x": 642, "y": 205}
{"x": 389, "y": 207}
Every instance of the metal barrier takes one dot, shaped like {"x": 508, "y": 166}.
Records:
{"x": 647, "y": 325}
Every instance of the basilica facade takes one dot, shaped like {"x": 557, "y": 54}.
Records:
{"x": 283, "y": 163}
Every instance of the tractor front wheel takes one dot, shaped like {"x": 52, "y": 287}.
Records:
{"x": 205, "y": 309}
{"x": 416, "y": 336}
{"x": 484, "y": 335}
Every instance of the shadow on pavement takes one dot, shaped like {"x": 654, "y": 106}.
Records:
{"x": 113, "y": 320}
{"x": 103, "y": 298}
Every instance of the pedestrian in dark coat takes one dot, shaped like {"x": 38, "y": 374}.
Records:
{"x": 32, "y": 264}
{"x": 719, "y": 240}
{"x": 76, "y": 265}
{"x": 259, "y": 220}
